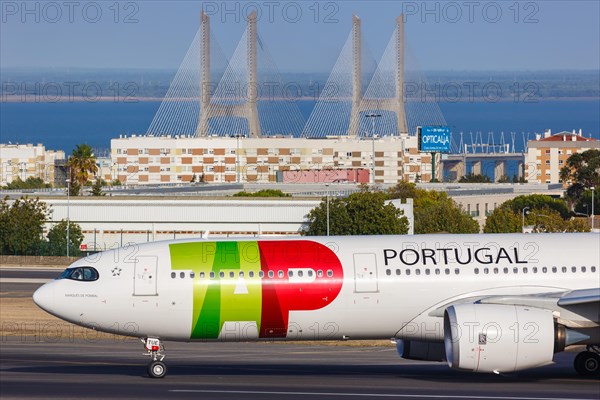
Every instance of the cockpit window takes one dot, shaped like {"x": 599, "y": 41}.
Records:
{"x": 86, "y": 274}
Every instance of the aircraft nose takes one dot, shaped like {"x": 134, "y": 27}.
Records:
{"x": 44, "y": 297}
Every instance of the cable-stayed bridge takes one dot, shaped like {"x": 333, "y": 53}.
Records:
{"x": 245, "y": 95}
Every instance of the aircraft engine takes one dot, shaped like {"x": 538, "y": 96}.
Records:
{"x": 500, "y": 338}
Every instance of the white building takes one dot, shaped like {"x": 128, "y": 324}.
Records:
{"x": 148, "y": 159}
{"x": 27, "y": 160}
{"x": 111, "y": 222}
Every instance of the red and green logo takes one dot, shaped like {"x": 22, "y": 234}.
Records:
{"x": 256, "y": 281}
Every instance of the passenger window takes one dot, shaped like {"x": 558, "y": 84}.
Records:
{"x": 222, "y": 274}
{"x": 202, "y": 275}
{"x": 535, "y": 270}
{"x": 320, "y": 273}
{"x": 329, "y": 273}
{"x": 182, "y": 275}
{"x": 457, "y": 271}
{"x": 251, "y": 274}
{"x": 241, "y": 274}
{"x": 231, "y": 274}
{"x": 486, "y": 270}
{"x": 291, "y": 274}
{"x": 310, "y": 273}
{"x": 525, "y": 270}
{"x": 418, "y": 271}
{"x": 261, "y": 274}
{"x": 173, "y": 275}
{"x": 398, "y": 271}
{"x": 564, "y": 269}
{"x": 573, "y": 269}
{"x": 582, "y": 269}
{"x": 271, "y": 274}
{"x": 280, "y": 274}
{"x": 447, "y": 271}
{"x": 427, "y": 271}
{"x": 593, "y": 269}
{"x": 476, "y": 271}
{"x": 388, "y": 272}
{"x": 515, "y": 270}
{"x": 505, "y": 270}
{"x": 408, "y": 272}
{"x": 544, "y": 270}
{"x": 437, "y": 271}
{"x": 212, "y": 275}
{"x": 300, "y": 274}
{"x": 554, "y": 269}
{"x": 496, "y": 270}
{"x": 192, "y": 274}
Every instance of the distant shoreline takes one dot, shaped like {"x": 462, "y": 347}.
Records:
{"x": 110, "y": 99}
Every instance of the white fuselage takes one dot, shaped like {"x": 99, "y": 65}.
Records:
{"x": 366, "y": 287}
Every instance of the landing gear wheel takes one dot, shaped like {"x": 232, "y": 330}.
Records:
{"x": 157, "y": 369}
{"x": 587, "y": 363}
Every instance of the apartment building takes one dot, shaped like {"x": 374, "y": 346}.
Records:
{"x": 166, "y": 159}
{"x": 28, "y": 160}
{"x": 548, "y": 154}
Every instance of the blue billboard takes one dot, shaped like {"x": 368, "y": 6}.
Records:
{"x": 434, "y": 139}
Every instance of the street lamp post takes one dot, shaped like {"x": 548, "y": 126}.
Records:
{"x": 327, "y": 186}
{"x": 373, "y": 116}
{"x": 593, "y": 188}
{"x": 68, "y": 180}
{"x": 523, "y": 218}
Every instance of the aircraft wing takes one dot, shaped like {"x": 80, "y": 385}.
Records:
{"x": 576, "y": 308}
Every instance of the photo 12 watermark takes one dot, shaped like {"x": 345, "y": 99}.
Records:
{"x": 70, "y": 12}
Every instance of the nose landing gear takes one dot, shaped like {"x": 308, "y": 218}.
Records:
{"x": 156, "y": 368}
{"x": 587, "y": 363}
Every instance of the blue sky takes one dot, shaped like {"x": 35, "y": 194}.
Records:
{"x": 303, "y": 36}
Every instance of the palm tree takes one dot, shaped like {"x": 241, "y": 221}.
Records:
{"x": 82, "y": 164}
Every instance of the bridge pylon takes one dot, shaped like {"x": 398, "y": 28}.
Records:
{"x": 361, "y": 104}
{"x": 247, "y": 108}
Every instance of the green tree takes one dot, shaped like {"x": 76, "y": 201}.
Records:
{"x": 82, "y": 164}
{"x": 29, "y": 183}
{"x": 548, "y": 220}
{"x": 542, "y": 216}
{"x": 582, "y": 170}
{"x": 74, "y": 188}
{"x": 583, "y": 205}
{"x": 537, "y": 202}
{"x": 503, "y": 220}
{"x": 263, "y": 193}
{"x": 475, "y": 178}
{"x": 22, "y": 226}
{"x": 434, "y": 212}
{"x": 57, "y": 238}
{"x": 362, "y": 213}
{"x": 97, "y": 188}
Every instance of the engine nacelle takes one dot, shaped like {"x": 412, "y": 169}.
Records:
{"x": 418, "y": 350}
{"x": 498, "y": 338}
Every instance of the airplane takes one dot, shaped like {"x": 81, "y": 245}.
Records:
{"x": 484, "y": 303}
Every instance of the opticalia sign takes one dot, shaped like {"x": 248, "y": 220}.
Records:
{"x": 434, "y": 139}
